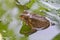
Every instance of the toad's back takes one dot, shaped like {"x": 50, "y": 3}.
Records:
{"x": 38, "y": 21}
{"x": 35, "y": 21}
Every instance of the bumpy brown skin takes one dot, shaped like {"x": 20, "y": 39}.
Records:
{"x": 34, "y": 20}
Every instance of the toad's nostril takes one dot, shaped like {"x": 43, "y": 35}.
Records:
{"x": 52, "y": 24}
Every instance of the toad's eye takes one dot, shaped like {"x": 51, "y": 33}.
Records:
{"x": 24, "y": 17}
{"x": 25, "y": 12}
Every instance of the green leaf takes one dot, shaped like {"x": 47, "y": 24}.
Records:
{"x": 10, "y": 4}
{"x": 2, "y": 11}
{"x": 30, "y": 3}
{"x": 25, "y": 29}
{"x": 9, "y": 34}
{"x": 43, "y": 8}
{"x": 57, "y": 37}
{"x": 39, "y": 12}
{"x": 24, "y": 38}
{"x": 22, "y": 7}
{"x": 3, "y": 26}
